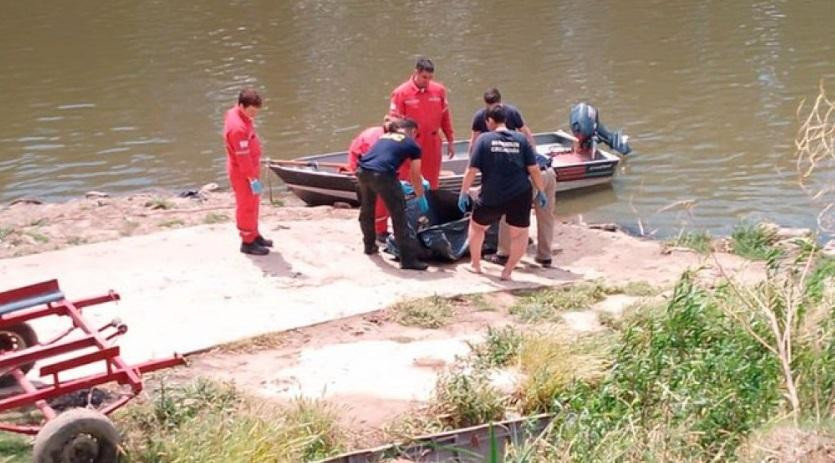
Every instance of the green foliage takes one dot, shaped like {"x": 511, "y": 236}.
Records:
{"x": 214, "y": 217}
{"x": 38, "y": 237}
{"x": 699, "y": 241}
{"x": 499, "y": 349}
{"x": 213, "y": 423}
{"x": 5, "y": 232}
{"x": 466, "y": 398}
{"x": 544, "y": 305}
{"x": 159, "y": 203}
{"x": 824, "y": 273}
{"x": 687, "y": 383}
{"x": 431, "y": 312}
{"x": 755, "y": 242}
{"x": 173, "y": 223}
{"x": 14, "y": 449}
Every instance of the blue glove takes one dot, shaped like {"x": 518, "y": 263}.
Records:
{"x": 541, "y": 199}
{"x": 407, "y": 188}
{"x": 425, "y": 183}
{"x": 255, "y": 186}
{"x": 423, "y": 204}
{"x": 463, "y": 202}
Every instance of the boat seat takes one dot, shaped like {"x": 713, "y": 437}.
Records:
{"x": 30, "y": 296}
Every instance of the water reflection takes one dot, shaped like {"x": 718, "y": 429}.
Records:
{"x": 132, "y": 95}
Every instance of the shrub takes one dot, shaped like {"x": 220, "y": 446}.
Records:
{"x": 699, "y": 241}
{"x": 754, "y": 242}
{"x": 466, "y": 398}
{"x": 547, "y": 304}
{"x": 499, "y": 349}
{"x": 431, "y": 312}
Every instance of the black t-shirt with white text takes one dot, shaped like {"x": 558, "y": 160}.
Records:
{"x": 503, "y": 157}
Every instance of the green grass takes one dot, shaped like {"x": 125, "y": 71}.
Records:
{"x": 14, "y": 448}
{"x": 755, "y": 242}
{"x": 499, "y": 349}
{"x": 699, "y": 241}
{"x": 214, "y": 217}
{"x": 686, "y": 383}
{"x": 76, "y": 240}
{"x": 159, "y": 203}
{"x": 545, "y": 305}
{"x": 431, "y": 312}
{"x": 465, "y": 398}
{"x": 5, "y": 232}
{"x": 480, "y": 302}
{"x": 38, "y": 237}
{"x": 213, "y": 423}
{"x": 174, "y": 223}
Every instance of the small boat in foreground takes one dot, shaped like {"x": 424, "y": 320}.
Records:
{"x": 322, "y": 179}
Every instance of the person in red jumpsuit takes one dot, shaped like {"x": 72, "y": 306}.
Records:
{"x": 422, "y": 99}
{"x": 359, "y": 146}
{"x": 243, "y": 158}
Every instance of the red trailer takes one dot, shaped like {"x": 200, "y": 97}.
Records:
{"x": 77, "y": 434}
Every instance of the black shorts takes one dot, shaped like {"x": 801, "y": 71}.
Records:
{"x": 517, "y": 211}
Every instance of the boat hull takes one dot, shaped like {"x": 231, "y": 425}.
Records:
{"x": 317, "y": 181}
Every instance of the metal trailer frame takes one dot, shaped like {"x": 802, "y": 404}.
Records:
{"x": 21, "y": 305}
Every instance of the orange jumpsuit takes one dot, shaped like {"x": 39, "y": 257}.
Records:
{"x": 430, "y": 109}
{"x": 359, "y": 146}
{"x": 243, "y": 157}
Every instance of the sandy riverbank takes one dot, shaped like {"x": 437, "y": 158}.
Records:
{"x": 186, "y": 288}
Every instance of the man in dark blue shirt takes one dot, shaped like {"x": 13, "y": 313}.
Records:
{"x": 514, "y": 121}
{"x": 508, "y": 166}
{"x": 377, "y": 175}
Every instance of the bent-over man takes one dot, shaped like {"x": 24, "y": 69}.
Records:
{"x": 377, "y": 175}
{"x": 508, "y": 166}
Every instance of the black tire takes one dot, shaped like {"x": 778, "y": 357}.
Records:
{"x": 75, "y": 436}
{"x": 16, "y": 337}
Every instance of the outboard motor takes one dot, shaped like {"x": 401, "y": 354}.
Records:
{"x": 586, "y": 126}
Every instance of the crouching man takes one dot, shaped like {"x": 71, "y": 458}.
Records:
{"x": 377, "y": 175}
{"x": 508, "y": 167}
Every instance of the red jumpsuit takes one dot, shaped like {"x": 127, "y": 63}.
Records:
{"x": 429, "y": 108}
{"x": 360, "y": 146}
{"x": 243, "y": 158}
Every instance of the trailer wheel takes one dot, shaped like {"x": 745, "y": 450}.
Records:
{"x": 75, "y": 436}
{"x": 16, "y": 337}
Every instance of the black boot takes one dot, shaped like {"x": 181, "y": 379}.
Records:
{"x": 413, "y": 264}
{"x": 254, "y": 249}
{"x": 371, "y": 249}
{"x": 263, "y": 242}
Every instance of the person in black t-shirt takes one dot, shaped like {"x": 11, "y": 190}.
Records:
{"x": 514, "y": 121}
{"x": 508, "y": 166}
{"x": 377, "y": 175}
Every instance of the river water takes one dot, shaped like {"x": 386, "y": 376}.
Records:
{"x": 128, "y": 94}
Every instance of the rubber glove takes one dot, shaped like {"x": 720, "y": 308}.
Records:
{"x": 423, "y": 204}
{"x": 425, "y": 184}
{"x": 463, "y": 201}
{"x": 407, "y": 188}
{"x": 255, "y": 186}
{"x": 541, "y": 199}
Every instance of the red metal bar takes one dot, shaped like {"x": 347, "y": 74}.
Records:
{"x": 133, "y": 377}
{"x": 27, "y": 292}
{"x": 29, "y": 430}
{"x": 121, "y": 376}
{"x": 116, "y": 405}
{"x": 31, "y": 354}
{"x": 104, "y": 354}
{"x": 48, "y": 412}
{"x": 59, "y": 308}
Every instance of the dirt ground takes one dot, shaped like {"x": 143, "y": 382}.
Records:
{"x": 364, "y": 363}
